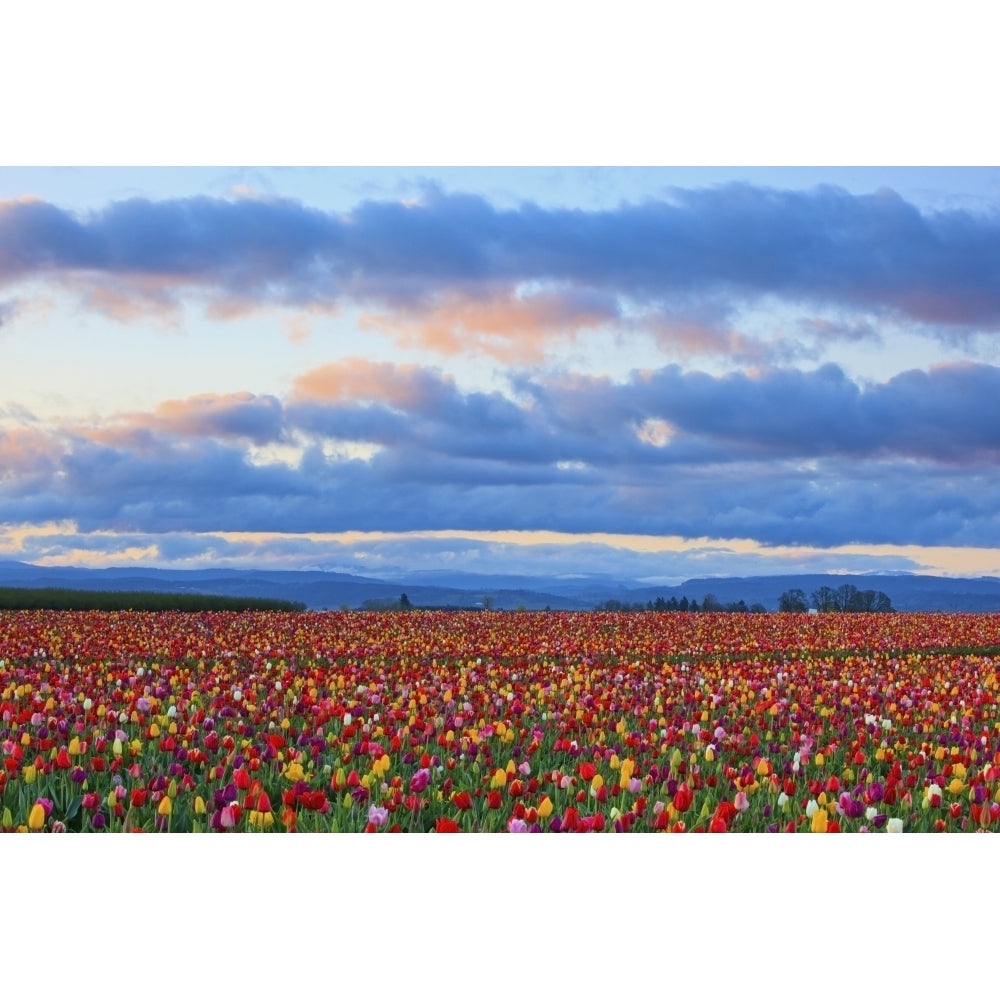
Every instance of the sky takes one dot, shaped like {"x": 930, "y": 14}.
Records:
{"x": 652, "y": 369}
{"x": 653, "y": 372}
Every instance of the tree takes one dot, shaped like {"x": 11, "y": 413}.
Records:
{"x": 871, "y": 601}
{"x": 882, "y": 603}
{"x": 824, "y": 599}
{"x": 710, "y": 603}
{"x": 404, "y": 602}
{"x": 846, "y": 599}
{"x": 793, "y": 600}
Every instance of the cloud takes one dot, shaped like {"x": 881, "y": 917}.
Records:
{"x": 8, "y": 310}
{"x": 509, "y": 327}
{"x": 390, "y": 554}
{"x": 451, "y": 272}
{"x": 408, "y": 387}
{"x": 784, "y": 456}
{"x": 26, "y": 454}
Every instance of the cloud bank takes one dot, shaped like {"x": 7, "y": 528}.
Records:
{"x": 783, "y": 456}
{"x": 450, "y": 272}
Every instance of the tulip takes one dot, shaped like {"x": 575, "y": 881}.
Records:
{"x": 36, "y": 818}
{"x": 378, "y": 815}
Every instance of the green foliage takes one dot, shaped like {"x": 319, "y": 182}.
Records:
{"x": 793, "y": 600}
{"x": 849, "y": 598}
{"x": 55, "y": 599}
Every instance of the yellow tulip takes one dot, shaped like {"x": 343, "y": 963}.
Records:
{"x": 545, "y": 808}
{"x": 36, "y": 818}
{"x": 165, "y": 807}
{"x": 294, "y": 772}
{"x": 819, "y": 821}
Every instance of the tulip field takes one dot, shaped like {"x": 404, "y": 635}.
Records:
{"x": 268, "y": 722}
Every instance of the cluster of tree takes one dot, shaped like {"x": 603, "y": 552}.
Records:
{"x": 844, "y": 598}
{"x": 402, "y": 603}
{"x": 56, "y": 599}
{"x": 709, "y": 603}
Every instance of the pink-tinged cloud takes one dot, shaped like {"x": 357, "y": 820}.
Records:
{"x": 25, "y": 451}
{"x": 240, "y": 415}
{"x": 689, "y": 339}
{"x": 358, "y": 380}
{"x": 450, "y": 270}
{"x": 503, "y": 325}
{"x": 780, "y": 455}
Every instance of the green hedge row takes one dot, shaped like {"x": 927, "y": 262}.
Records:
{"x": 53, "y": 599}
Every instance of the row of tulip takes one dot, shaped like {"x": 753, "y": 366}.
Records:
{"x": 422, "y": 721}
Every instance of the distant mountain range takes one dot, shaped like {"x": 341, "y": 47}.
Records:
{"x": 318, "y": 589}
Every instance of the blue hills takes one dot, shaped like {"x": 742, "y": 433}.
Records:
{"x": 320, "y": 589}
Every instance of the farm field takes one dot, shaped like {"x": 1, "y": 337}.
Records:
{"x": 505, "y": 722}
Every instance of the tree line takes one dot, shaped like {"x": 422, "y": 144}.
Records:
{"x": 57, "y": 599}
{"x": 709, "y": 603}
{"x": 842, "y": 599}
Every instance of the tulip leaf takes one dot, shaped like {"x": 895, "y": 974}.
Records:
{"x": 74, "y": 807}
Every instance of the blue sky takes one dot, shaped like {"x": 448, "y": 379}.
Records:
{"x": 660, "y": 372}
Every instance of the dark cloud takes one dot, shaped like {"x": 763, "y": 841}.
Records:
{"x": 782, "y": 456}
{"x": 721, "y": 245}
